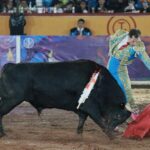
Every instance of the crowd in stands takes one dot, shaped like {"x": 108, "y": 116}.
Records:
{"x": 75, "y": 6}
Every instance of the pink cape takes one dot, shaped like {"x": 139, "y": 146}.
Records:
{"x": 140, "y": 127}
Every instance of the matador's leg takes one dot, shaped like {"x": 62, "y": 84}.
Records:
{"x": 124, "y": 77}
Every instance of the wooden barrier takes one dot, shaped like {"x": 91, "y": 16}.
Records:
{"x": 60, "y": 24}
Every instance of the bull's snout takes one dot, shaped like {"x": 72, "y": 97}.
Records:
{"x": 119, "y": 118}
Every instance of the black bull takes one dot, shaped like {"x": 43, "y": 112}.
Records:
{"x": 60, "y": 85}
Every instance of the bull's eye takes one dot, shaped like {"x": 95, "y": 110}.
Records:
{"x": 122, "y": 105}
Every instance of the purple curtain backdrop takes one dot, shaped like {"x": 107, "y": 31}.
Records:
{"x": 7, "y": 49}
{"x": 65, "y": 48}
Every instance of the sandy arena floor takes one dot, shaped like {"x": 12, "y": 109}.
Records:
{"x": 56, "y": 130}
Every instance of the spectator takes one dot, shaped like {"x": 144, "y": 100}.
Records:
{"x": 47, "y": 3}
{"x": 80, "y": 30}
{"x": 146, "y": 6}
{"x": 33, "y": 2}
{"x": 9, "y": 5}
{"x": 57, "y": 2}
{"x": 23, "y": 6}
{"x": 130, "y": 7}
{"x": 58, "y": 6}
{"x": 148, "y": 9}
{"x": 16, "y": 24}
{"x": 1, "y": 7}
{"x": 92, "y": 5}
{"x": 69, "y": 7}
{"x": 117, "y": 5}
{"x": 64, "y": 2}
{"x": 138, "y": 5}
{"x": 81, "y": 8}
{"x": 101, "y": 7}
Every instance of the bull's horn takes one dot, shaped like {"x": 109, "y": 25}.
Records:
{"x": 128, "y": 107}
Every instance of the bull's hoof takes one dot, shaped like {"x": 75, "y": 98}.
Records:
{"x": 79, "y": 131}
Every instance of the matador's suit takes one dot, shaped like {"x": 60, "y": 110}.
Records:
{"x": 122, "y": 54}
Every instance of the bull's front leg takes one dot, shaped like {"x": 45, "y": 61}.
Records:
{"x": 93, "y": 110}
{"x": 82, "y": 119}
